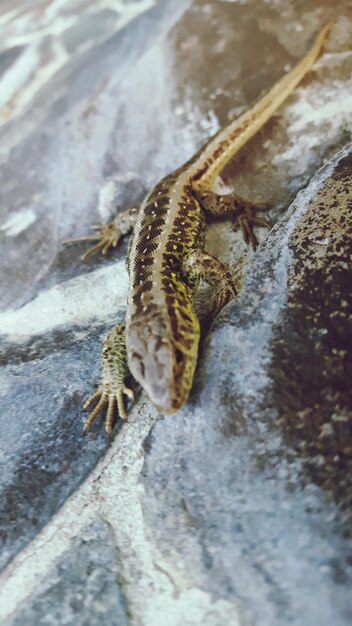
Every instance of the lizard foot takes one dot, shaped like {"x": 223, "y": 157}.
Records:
{"x": 247, "y": 219}
{"x": 108, "y": 238}
{"x": 110, "y": 234}
{"x": 111, "y": 400}
{"x": 242, "y": 211}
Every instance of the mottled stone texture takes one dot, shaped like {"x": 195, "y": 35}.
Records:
{"x": 40, "y": 461}
{"x": 250, "y": 487}
{"x": 237, "y": 510}
{"x": 312, "y": 361}
{"x": 81, "y": 588}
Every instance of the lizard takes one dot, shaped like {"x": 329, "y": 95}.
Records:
{"x": 158, "y": 344}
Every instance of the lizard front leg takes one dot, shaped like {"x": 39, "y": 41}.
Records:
{"x": 244, "y": 212}
{"x": 110, "y": 234}
{"x": 200, "y": 264}
{"x": 112, "y": 387}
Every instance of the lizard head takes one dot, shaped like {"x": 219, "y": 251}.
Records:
{"x": 162, "y": 355}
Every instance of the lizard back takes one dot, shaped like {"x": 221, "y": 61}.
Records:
{"x": 162, "y": 327}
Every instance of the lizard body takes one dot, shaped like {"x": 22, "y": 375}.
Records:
{"x": 166, "y": 260}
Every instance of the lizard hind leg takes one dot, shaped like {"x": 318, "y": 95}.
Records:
{"x": 243, "y": 211}
{"x": 112, "y": 388}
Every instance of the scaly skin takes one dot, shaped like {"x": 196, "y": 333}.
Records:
{"x": 166, "y": 259}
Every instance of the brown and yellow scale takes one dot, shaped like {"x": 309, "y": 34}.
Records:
{"x": 158, "y": 344}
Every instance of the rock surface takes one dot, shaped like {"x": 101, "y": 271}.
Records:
{"x": 237, "y": 510}
{"x": 82, "y": 586}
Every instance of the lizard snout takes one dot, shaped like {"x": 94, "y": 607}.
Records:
{"x": 163, "y": 370}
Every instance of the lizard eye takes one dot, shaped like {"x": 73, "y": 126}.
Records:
{"x": 179, "y": 356}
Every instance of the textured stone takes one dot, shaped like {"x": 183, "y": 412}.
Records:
{"x": 41, "y": 463}
{"x": 237, "y": 509}
{"x": 311, "y": 367}
{"x": 250, "y": 485}
{"x": 50, "y": 348}
{"x": 82, "y": 587}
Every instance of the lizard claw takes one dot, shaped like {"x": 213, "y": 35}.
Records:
{"x": 248, "y": 219}
{"x": 108, "y": 238}
{"x": 246, "y": 226}
{"x": 111, "y": 400}
{"x": 110, "y": 234}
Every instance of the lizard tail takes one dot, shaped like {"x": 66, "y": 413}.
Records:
{"x": 230, "y": 140}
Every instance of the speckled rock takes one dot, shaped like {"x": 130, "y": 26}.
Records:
{"x": 249, "y": 488}
{"x": 81, "y": 588}
{"x": 237, "y": 509}
{"x": 312, "y": 365}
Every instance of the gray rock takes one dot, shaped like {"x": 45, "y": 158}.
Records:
{"x": 41, "y": 463}
{"x": 82, "y": 588}
{"x": 237, "y": 509}
{"x": 250, "y": 487}
{"x": 42, "y": 382}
